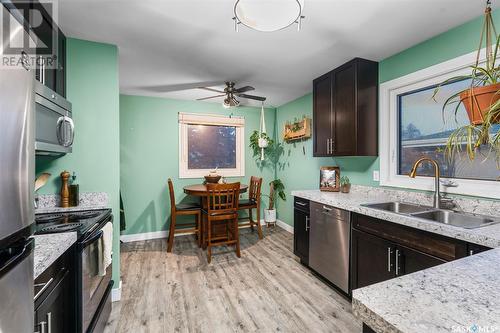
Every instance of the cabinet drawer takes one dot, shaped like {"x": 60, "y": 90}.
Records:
{"x": 436, "y": 245}
{"x": 301, "y": 204}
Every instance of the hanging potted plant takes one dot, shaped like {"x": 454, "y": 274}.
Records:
{"x": 272, "y": 154}
{"x": 277, "y": 190}
{"x": 481, "y": 100}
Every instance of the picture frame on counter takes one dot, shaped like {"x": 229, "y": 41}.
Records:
{"x": 329, "y": 179}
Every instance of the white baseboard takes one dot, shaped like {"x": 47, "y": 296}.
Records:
{"x": 285, "y": 226}
{"x": 144, "y": 236}
{"x": 116, "y": 293}
{"x": 164, "y": 233}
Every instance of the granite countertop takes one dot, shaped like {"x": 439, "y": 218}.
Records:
{"x": 487, "y": 236}
{"x": 49, "y": 247}
{"x": 49, "y": 203}
{"x": 459, "y": 296}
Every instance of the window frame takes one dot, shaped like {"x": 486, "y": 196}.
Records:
{"x": 186, "y": 119}
{"x": 389, "y": 128}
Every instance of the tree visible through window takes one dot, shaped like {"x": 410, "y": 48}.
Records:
{"x": 423, "y": 131}
{"x": 207, "y": 142}
{"x": 211, "y": 147}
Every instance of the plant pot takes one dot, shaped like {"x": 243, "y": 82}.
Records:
{"x": 270, "y": 215}
{"x": 477, "y": 102}
{"x": 345, "y": 188}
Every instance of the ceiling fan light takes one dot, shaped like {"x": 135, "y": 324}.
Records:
{"x": 268, "y": 15}
{"x": 230, "y": 102}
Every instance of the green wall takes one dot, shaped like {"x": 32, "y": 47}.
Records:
{"x": 301, "y": 172}
{"x": 93, "y": 90}
{"x": 450, "y": 44}
{"x": 149, "y": 150}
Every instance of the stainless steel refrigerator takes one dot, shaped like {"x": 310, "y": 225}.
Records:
{"x": 16, "y": 178}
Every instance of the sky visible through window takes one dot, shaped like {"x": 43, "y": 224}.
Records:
{"x": 424, "y": 129}
{"x": 211, "y": 147}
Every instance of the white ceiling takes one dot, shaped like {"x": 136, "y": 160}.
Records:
{"x": 170, "y": 45}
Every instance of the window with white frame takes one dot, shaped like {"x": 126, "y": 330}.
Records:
{"x": 207, "y": 142}
{"x": 412, "y": 125}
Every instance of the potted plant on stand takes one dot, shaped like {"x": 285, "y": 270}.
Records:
{"x": 276, "y": 189}
{"x": 481, "y": 100}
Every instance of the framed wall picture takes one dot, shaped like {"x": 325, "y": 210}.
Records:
{"x": 329, "y": 179}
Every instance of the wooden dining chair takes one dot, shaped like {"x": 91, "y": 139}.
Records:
{"x": 222, "y": 217}
{"x": 179, "y": 210}
{"x": 253, "y": 202}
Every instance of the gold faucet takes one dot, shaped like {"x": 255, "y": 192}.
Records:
{"x": 437, "y": 175}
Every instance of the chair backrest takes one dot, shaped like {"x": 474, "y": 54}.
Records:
{"x": 223, "y": 197}
{"x": 172, "y": 196}
{"x": 254, "y": 189}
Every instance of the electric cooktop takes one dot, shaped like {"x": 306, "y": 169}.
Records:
{"x": 79, "y": 221}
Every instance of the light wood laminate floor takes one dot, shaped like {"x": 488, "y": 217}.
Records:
{"x": 266, "y": 290}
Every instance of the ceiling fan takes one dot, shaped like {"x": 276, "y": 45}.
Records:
{"x": 230, "y": 93}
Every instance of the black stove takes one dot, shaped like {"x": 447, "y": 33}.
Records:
{"x": 79, "y": 221}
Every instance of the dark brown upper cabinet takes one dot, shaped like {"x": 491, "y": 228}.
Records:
{"x": 345, "y": 103}
{"x": 50, "y": 44}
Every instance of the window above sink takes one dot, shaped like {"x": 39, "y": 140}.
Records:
{"x": 412, "y": 126}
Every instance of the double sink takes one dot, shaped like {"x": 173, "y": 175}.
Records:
{"x": 457, "y": 219}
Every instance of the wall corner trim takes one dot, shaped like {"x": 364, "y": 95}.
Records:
{"x": 116, "y": 293}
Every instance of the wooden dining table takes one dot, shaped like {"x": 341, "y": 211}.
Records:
{"x": 200, "y": 190}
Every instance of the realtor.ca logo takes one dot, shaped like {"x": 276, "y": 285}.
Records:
{"x": 29, "y": 34}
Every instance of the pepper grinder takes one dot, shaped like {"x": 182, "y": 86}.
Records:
{"x": 65, "y": 189}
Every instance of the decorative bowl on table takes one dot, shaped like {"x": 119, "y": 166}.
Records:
{"x": 212, "y": 179}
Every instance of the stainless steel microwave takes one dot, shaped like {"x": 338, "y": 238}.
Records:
{"x": 54, "y": 130}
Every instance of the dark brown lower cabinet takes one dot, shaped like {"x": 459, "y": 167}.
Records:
{"x": 52, "y": 314}
{"x": 375, "y": 259}
{"x": 301, "y": 230}
{"x": 55, "y": 300}
{"x": 409, "y": 260}
{"x": 370, "y": 259}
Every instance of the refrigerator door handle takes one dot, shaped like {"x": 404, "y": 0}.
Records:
{"x": 16, "y": 259}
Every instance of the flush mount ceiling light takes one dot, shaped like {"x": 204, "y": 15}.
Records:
{"x": 268, "y": 15}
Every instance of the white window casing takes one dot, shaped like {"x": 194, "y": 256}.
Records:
{"x": 186, "y": 119}
{"x": 389, "y": 126}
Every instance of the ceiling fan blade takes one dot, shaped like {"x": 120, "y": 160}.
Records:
{"x": 210, "y": 89}
{"x": 204, "y": 98}
{"x": 178, "y": 87}
{"x": 257, "y": 98}
{"x": 244, "y": 89}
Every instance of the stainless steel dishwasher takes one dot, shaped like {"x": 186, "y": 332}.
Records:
{"x": 329, "y": 244}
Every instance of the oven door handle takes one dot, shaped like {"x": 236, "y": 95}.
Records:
{"x": 92, "y": 238}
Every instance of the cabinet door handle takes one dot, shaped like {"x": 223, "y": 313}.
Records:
{"x": 308, "y": 226}
{"x": 45, "y": 286}
{"x": 49, "y": 322}
{"x": 42, "y": 326}
{"x": 300, "y": 203}
{"x": 397, "y": 262}
{"x": 326, "y": 209}
{"x": 389, "y": 264}
{"x": 328, "y": 146}
{"x": 471, "y": 252}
